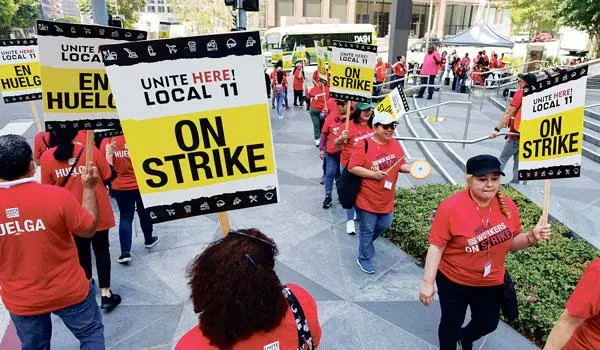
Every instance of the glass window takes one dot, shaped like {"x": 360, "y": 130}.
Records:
{"x": 272, "y": 41}
{"x": 337, "y": 9}
{"x": 169, "y": 10}
{"x": 312, "y": 8}
{"x": 283, "y": 8}
{"x": 161, "y": 9}
{"x": 151, "y": 9}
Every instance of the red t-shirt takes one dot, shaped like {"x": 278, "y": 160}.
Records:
{"x": 284, "y": 337}
{"x": 585, "y": 303}
{"x": 373, "y": 195}
{"x": 319, "y": 96}
{"x": 469, "y": 237}
{"x": 332, "y": 127}
{"x": 41, "y": 143}
{"x": 381, "y": 71}
{"x": 442, "y": 63}
{"x": 494, "y": 63}
{"x": 125, "y": 180}
{"x": 399, "y": 69}
{"x": 516, "y": 101}
{"x": 315, "y": 77}
{"x": 466, "y": 62}
{"x": 39, "y": 265}
{"x": 356, "y": 133}
{"x": 54, "y": 172}
{"x": 298, "y": 79}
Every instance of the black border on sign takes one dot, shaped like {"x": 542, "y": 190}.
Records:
{"x": 349, "y": 97}
{"x": 214, "y": 204}
{"x": 18, "y": 42}
{"x": 84, "y": 124}
{"x": 403, "y": 97}
{"x": 566, "y": 171}
{"x": 98, "y": 135}
{"x": 23, "y": 98}
{"x": 206, "y": 46}
{"x": 354, "y": 46}
{"x": 70, "y": 30}
{"x": 546, "y": 83}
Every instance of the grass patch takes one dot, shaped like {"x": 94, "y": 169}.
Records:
{"x": 545, "y": 275}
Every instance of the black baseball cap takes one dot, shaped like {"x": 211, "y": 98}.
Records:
{"x": 528, "y": 78}
{"x": 483, "y": 164}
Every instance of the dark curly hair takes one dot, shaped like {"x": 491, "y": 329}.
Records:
{"x": 235, "y": 288}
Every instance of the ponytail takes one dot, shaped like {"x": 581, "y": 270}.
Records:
{"x": 63, "y": 139}
{"x": 503, "y": 208}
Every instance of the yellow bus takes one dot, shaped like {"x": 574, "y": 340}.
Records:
{"x": 286, "y": 38}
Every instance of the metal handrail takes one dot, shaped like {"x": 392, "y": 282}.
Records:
{"x": 466, "y": 142}
{"x": 592, "y": 106}
{"x": 408, "y": 88}
{"x": 439, "y": 105}
{"x": 509, "y": 67}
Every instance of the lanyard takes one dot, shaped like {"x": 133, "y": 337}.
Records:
{"x": 485, "y": 223}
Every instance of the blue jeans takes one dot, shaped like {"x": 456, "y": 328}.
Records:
{"x": 279, "y": 97}
{"x": 459, "y": 82}
{"x": 83, "y": 319}
{"x": 332, "y": 171}
{"x": 128, "y": 202}
{"x": 510, "y": 150}
{"x": 370, "y": 227}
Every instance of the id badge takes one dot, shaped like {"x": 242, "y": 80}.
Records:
{"x": 387, "y": 185}
{"x": 487, "y": 268}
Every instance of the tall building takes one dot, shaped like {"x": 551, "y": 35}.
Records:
{"x": 50, "y": 9}
{"x": 70, "y": 8}
{"x": 448, "y": 16}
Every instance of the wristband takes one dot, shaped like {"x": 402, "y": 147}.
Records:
{"x": 496, "y": 128}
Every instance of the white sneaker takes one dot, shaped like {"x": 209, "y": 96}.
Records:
{"x": 318, "y": 142}
{"x": 350, "y": 228}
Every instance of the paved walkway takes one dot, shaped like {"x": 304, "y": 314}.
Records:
{"x": 357, "y": 311}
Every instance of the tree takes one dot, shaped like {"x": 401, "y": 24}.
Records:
{"x": 127, "y": 9}
{"x": 583, "y": 15}
{"x": 69, "y": 19}
{"x": 203, "y": 16}
{"x": 17, "y": 14}
{"x": 534, "y": 16}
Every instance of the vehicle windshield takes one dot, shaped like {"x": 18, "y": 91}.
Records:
{"x": 272, "y": 41}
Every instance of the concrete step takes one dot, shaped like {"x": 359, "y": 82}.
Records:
{"x": 591, "y": 133}
{"x": 591, "y": 151}
{"x": 592, "y": 114}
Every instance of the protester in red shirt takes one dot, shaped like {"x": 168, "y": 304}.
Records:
{"x": 399, "y": 72}
{"x": 380, "y": 75}
{"x": 39, "y": 268}
{"x": 42, "y": 143}
{"x": 279, "y": 90}
{"x": 512, "y": 120}
{"x": 579, "y": 325}
{"x": 358, "y": 130}
{"x": 331, "y": 133}
{"x": 442, "y": 66}
{"x": 317, "y": 111}
{"x": 56, "y": 164}
{"x": 378, "y": 164}
{"x": 299, "y": 78}
{"x": 243, "y": 304}
{"x": 465, "y": 61}
{"x": 494, "y": 61}
{"x": 127, "y": 194}
{"x": 471, "y": 234}
{"x": 501, "y": 62}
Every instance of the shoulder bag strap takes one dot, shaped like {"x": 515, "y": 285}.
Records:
{"x": 304, "y": 336}
{"x": 72, "y": 167}
{"x": 45, "y": 142}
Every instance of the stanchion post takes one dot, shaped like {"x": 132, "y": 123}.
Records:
{"x": 467, "y": 121}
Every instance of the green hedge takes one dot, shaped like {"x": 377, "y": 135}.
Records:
{"x": 545, "y": 275}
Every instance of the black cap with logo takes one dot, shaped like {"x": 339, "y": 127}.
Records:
{"x": 483, "y": 164}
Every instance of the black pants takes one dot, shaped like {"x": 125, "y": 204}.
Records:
{"x": 398, "y": 83}
{"x": 100, "y": 245}
{"x": 484, "y": 303}
{"x": 427, "y": 80}
{"x": 298, "y": 96}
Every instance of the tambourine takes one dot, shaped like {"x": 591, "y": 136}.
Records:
{"x": 420, "y": 169}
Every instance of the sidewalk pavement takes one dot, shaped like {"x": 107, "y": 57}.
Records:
{"x": 575, "y": 202}
{"x": 357, "y": 311}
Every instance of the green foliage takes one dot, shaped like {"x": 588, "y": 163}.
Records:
{"x": 69, "y": 19}
{"x": 127, "y": 9}
{"x": 581, "y": 14}
{"x": 17, "y": 14}
{"x": 534, "y": 16}
{"x": 545, "y": 275}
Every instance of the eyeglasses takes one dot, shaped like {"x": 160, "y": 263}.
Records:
{"x": 264, "y": 241}
{"x": 338, "y": 119}
{"x": 391, "y": 126}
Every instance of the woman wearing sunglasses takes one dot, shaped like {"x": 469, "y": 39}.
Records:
{"x": 378, "y": 164}
{"x": 330, "y": 147}
{"x": 241, "y": 302}
{"x": 358, "y": 130}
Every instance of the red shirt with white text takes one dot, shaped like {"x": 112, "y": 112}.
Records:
{"x": 125, "y": 180}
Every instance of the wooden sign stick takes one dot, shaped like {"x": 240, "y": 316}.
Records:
{"x": 348, "y": 105}
{"x": 36, "y": 116}
{"x": 546, "y": 207}
{"x": 89, "y": 147}
{"x": 224, "y": 222}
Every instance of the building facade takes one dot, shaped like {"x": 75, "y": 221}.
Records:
{"x": 70, "y": 8}
{"x": 448, "y": 16}
{"x": 51, "y": 9}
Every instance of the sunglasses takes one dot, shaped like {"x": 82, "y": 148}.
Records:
{"x": 338, "y": 119}
{"x": 391, "y": 126}
{"x": 241, "y": 234}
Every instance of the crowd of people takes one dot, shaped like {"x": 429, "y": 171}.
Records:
{"x": 234, "y": 288}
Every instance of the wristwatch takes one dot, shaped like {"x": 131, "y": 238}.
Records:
{"x": 496, "y": 128}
